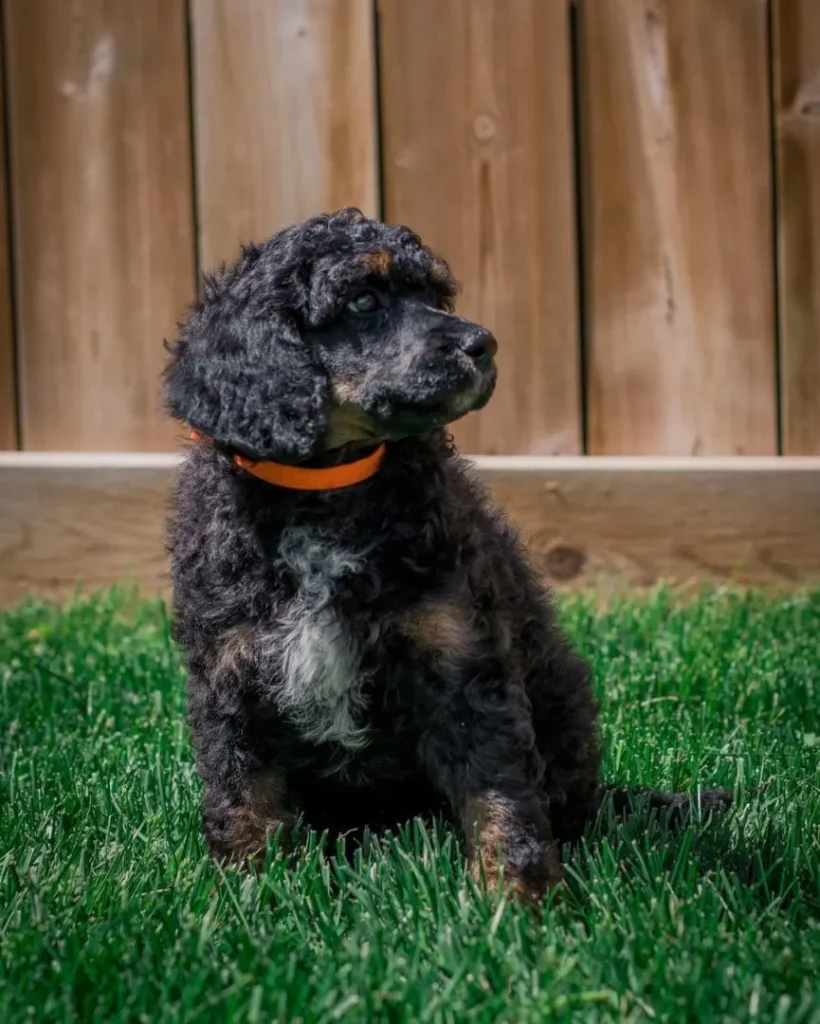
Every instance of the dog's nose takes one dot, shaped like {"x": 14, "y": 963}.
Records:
{"x": 479, "y": 345}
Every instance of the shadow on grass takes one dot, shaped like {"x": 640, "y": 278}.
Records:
{"x": 630, "y": 843}
{"x": 747, "y": 846}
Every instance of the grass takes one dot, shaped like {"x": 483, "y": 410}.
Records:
{"x": 109, "y": 910}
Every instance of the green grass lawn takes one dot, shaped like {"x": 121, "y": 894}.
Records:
{"x": 110, "y": 911}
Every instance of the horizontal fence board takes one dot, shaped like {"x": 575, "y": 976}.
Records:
{"x": 285, "y": 112}
{"x": 797, "y": 125}
{"x": 677, "y": 207}
{"x": 103, "y": 214}
{"x": 477, "y": 158}
{"x": 603, "y": 523}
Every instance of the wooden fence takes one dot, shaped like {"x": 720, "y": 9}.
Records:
{"x": 629, "y": 191}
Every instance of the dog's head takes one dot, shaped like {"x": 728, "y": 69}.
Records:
{"x": 333, "y": 332}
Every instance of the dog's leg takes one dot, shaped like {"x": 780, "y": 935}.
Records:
{"x": 491, "y": 785}
{"x": 239, "y": 817}
{"x": 244, "y": 797}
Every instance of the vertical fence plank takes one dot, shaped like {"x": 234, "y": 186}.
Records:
{"x": 678, "y": 240}
{"x": 477, "y": 157}
{"x": 8, "y": 387}
{"x": 101, "y": 187}
{"x": 797, "y": 111}
{"x": 285, "y": 105}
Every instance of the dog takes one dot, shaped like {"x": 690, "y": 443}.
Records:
{"x": 365, "y": 637}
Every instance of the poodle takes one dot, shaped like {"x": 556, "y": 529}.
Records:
{"x": 365, "y": 637}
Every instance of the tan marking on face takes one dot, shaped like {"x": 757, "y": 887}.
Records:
{"x": 439, "y": 271}
{"x": 348, "y": 424}
{"x": 378, "y": 262}
{"x": 441, "y": 629}
{"x": 343, "y": 391}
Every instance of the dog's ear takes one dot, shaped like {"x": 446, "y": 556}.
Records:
{"x": 249, "y": 383}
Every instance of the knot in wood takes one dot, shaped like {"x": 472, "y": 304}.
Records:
{"x": 484, "y": 127}
{"x": 564, "y": 562}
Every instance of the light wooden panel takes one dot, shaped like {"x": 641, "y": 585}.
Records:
{"x": 8, "y": 398}
{"x": 285, "y": 105}
{"x": 677, "y": 204}
{"x": 590, "y": 522}
{"x": 477, "y": 157}
{"x": 797, "y": 112}
{"x": 101, "y": 184}
{"x": 90, "y": 527}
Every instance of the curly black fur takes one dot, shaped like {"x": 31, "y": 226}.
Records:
{"x": 361, "y": 655}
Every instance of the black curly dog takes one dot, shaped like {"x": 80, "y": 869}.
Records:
{"x": 363, "y": 654}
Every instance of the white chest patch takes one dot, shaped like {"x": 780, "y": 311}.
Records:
{"x": 321, "y": 687}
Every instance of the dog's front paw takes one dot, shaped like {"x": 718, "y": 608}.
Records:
{"x": 512, "y": 845}
{"x": 527, "y": 882}
{"x": 532, "y": 892}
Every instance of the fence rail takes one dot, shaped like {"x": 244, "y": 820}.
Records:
{"x": 629, "y": 191}
{"x": 73, "y": 519}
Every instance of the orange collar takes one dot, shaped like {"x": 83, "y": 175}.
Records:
{"x": 301, "y": 478}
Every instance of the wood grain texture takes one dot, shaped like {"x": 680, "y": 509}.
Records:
{"x": 62, "y": 529}
{"x": 286, "y": 125}
{"x": 8, "y": 383}
{"x": 677, "y": 200}
{"x": 477, "y": 157}
{"x": 102, "y": 198}
{"x": 796, "y": 26}
{"x": 589, "y": 522}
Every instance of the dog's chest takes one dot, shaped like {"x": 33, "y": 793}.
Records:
{"x": 322, "y": 678}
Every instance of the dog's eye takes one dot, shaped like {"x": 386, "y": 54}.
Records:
{"x": 364, "y": 302}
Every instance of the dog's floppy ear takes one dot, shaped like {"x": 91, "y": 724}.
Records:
{"x": 247, "y": 382}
